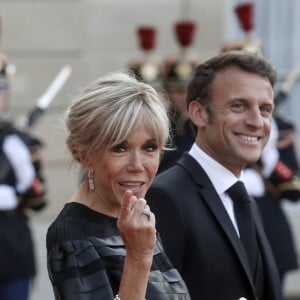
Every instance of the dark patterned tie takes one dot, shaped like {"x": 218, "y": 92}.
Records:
{"x": 245, "y": 221}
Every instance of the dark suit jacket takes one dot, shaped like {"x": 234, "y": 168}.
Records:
{"x": 200, "y": 239}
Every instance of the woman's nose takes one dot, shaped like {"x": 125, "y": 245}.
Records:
{"x": 135, "y": 162}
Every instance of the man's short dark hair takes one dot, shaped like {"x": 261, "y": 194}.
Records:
{"x": 199, "y": 87}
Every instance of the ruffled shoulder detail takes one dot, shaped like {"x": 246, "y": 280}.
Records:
{"x": 77, "y": 271}
{"x": 92, "y": 268}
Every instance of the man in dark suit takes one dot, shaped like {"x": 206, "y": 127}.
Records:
{"x": 230, "y": 102}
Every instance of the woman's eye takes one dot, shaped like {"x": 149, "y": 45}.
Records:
{"x": 118, "y": 148}
{"x": 151, "y": 147}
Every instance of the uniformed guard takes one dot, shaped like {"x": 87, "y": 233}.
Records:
{"x": 177, "y": 72}
{"x": 21, "y": 188}
{"x": 245, "y": 15}
{"x": 148, "y": 67}
{"x": 178, "y": 68}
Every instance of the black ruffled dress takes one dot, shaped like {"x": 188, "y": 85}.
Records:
{"x": 86, "y": 256}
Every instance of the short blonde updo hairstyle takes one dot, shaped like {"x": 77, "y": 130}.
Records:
{"x": 106, "y": 112}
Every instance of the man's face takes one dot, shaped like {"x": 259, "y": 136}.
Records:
{"x": 241, "y": 105}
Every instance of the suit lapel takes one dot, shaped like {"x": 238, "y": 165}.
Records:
{"x": 270, "y": 268}
{"x": 209, "y": 195}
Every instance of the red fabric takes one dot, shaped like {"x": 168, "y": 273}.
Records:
{"x": 245, "y": 13}
{"x": 283, "y": 171}
{"x": 184, "y": 32}
{"x": 146, "y": 37}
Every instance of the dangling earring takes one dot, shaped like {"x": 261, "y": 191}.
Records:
{"x": 91, "y": 180}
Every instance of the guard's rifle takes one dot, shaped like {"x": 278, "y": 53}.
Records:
{"x": 45, "y": 99}
{"x": 286, "y": 86}
{"x": 36, "y": 197}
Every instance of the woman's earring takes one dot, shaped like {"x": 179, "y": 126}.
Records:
{"x": 91, "y": 180}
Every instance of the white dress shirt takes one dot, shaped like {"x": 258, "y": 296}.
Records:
{"x": 221, "y": 178}
{"x": 19, "y": 157}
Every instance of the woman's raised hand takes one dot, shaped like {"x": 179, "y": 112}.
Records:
{"x": 137, "y": 227}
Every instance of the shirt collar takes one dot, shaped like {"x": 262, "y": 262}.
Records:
{"x": 221, "y": 177}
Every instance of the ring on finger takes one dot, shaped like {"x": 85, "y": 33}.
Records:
{"x": 147, "y": 212}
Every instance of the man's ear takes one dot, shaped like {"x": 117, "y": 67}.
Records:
{"x": 198, "y": 113}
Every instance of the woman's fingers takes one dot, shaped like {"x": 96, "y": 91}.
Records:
{"x": 126, "y": 205}
{"x": 133, "y": 209}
